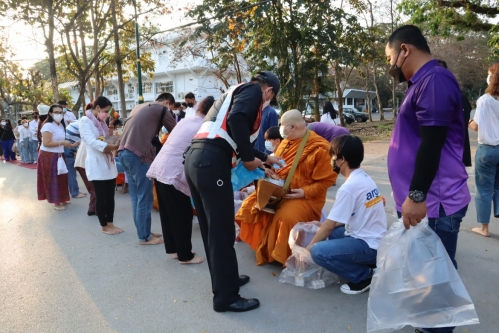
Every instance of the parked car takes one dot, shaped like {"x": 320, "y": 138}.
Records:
{"x": 309, "y": 118}
{"x": 360, "y": 117}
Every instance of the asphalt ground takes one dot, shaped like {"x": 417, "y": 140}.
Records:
{"x": 59, "y": 273}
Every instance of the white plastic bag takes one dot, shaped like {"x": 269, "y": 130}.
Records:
{"x": 61, "y": 166}
{"x": 416, "y": 283}
{"x": 300, "y": 268}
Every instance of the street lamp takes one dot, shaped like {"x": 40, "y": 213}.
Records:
{"x": 138, "y": 54}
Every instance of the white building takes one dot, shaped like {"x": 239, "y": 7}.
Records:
{"x": 175, "y": 74}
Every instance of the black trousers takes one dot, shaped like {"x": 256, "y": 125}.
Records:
{"x": 105, "y": 200}
{"x": 208, "y": 172}
{"x": 176, "y": 215}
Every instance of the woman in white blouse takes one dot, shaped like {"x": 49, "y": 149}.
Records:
{"x": 485, "y": 122}
{"x": 329, "y": 114}
{"x": 24, "y": 139}
{"x": 100, "y": 164}
{"x": 51, "y": 186}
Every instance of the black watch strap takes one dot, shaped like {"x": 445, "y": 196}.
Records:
{"x": 417, "y": 196}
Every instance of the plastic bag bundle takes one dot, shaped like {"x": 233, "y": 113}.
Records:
{"x": 300, "y": 268}
{"x": 61, "y": 166}
{"x": 241, "y": 176}
{"x": 416, "y": 283}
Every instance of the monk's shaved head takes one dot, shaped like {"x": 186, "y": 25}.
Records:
{"x": 294, "y": 123}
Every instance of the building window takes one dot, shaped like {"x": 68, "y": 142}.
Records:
{"x": 147, "y": 87}
{"x": 130, "y": 91}
{"x": 111, "y": 91}
{"x": 349, "y": 101}
{"x": 163, "y": 87}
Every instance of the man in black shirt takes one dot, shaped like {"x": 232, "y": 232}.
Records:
{"x": 227, "y": 135}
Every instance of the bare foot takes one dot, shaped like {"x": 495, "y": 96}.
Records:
{"x": 67, "y": 203}
{"x": 152, "y": 241}
{"x": 155, "y": 235}
{"x": 195, "y": 260}
{"x": 110, "y": 224}
{"x": 59, "y": 207}
{"x": 81, "y": 195}
{"x": 110, "y": 230}
{"x": 482, "y": 232}
{"x": 175, "y": 256}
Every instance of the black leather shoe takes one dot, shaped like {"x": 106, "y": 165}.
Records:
{"x": 241, "y": 305}
{"x": 244, "y": 279}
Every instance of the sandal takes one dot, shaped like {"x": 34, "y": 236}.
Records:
{"x": 81, "y": 195}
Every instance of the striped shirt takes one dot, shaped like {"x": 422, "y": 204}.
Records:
{"x": 73, "y": 132}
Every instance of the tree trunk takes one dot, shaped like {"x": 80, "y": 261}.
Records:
{"x": 340, "y": 93}
{"x": 49, "y": 44}
{"x": 96, "y": 50}
{"x": 118, "y": 59}
{"x": 85, "y": 61}
{"x": 379, "y": 103}
{"x": 316, "y": 96}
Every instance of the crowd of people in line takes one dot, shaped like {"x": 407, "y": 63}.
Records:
{"x": 188, "y": 156}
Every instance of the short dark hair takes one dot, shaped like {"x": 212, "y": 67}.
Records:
{"x": 273, "y": 133}
{"x": 62, "y": 103}
{"x": 184, "y": 104}
{"x": 189, "y": 95}
{"x": 24, "y": 117}
{"x": 409, "y": 34}
{"x": 165, "y": 97}
{"x": 177, "y": 105}
{"x": 101, "y": 102}
{"x": 350, "y": 148}
{"x": 206, "y": 104}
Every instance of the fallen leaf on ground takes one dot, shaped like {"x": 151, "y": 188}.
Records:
{"x": 349, "y": 328}
{"x": 273, "y": 274}
{"x": 175, "y": 301}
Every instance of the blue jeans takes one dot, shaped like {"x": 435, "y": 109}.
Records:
{"x": 69, "y": 154}
{"x": 25, "y": 151}
{"x": 8, "y": 154}
{"x": 33, "y": 148}
{"x": 345, "y": 256}
{"x": 141, "y": 192}
{"x": 486, "y": 164}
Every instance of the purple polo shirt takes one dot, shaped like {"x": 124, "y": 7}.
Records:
{"x": 327, "y": 130}
{"x": 433, "y": 98}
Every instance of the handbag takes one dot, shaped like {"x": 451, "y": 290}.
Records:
{"x": 269, "y": 194}
{"x": 61, "y": 166}
{"x": 15, "y": 149}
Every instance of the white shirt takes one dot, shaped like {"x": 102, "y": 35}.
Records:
{"x": 359, "y": 206}
{"x": 96, "y": 165}
{"x": 326, "y": 118}
{"x": 486, "y": 118}
{"x": 24, "y": 133}
{"x": 58, "y": 134}
{"x": 33, "y": 126}
{"x": 191, "y": 112}
{"x": 69, "y": 117}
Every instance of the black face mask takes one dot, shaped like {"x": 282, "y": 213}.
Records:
{"x": 336, "y": 168}
{"x": 190, "y": 105}
{"x": 396, "y": 71}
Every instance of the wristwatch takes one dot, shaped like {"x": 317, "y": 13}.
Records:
{"x": 417, "y": 196}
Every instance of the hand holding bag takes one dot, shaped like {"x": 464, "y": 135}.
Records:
{"x": 61, "y": 166}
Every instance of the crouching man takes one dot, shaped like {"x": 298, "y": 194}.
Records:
{"x": 346, "y": 243}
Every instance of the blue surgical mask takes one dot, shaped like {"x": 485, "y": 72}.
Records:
{"x": 269, "y": 145}
{"x": 163, "y": 129}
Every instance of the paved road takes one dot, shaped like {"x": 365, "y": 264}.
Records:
{"x": 59, "y": 273}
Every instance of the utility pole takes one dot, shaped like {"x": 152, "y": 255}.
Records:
{"x": 138, "y": 53}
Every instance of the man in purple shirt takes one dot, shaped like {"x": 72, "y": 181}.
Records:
{"x": 425, "y": 154}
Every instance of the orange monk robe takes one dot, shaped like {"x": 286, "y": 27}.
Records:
{"x": 267, "y": 233}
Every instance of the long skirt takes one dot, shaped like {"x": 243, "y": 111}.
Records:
{"x": 51, "y": 186}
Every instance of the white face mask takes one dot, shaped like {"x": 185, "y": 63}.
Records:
{"x": 488, "y": 79}
{"x": 25, "y": 124}
{"x": 269, "y": 145}
{"x": 58, "y": 117}
{"x": 163, "y": 129}
{"x": 3, "y": 123}
{"x": 282, "y": 132}
{"x": 176, "y": 111}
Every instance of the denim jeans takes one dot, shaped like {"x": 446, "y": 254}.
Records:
{"x": 486, "y": 164}
{"x": 8, "y": 154}
{"x": 69, "y": 154}
{"x": 141, "y": 192}
{"x": 33, "y": 148}
{"x": 345, "y": 256}
{"x": 24, "y": 150}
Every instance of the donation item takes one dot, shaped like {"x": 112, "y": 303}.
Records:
{"x": 416, "y": 284}
{"x": 301, "y": 270}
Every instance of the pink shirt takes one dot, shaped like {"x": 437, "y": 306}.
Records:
{"x": 167, "y": 167}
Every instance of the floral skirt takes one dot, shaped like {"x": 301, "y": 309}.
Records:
{"x": 51, "y": 186}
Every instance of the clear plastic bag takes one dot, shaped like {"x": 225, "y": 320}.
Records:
{"x": 61, "y": 166}
{"x": 301, "y": 270}
{"x": 416, "y": 283}
{"x": 241, "y": 176}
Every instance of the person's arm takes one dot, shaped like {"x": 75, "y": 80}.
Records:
{"x": 473, "y": 125}
{"x": 168, "y": 121}
{"x": 244, "y": 111}
{"x": 47, "y": 141}
{"x": 324, "y": 231}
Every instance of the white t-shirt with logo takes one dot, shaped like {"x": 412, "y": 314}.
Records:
{"x": 360, "y": 207}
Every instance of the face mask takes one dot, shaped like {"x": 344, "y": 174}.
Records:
{"x": 176, "y": 111}
{"x": 25, "y": 125}
{"x": 488, "y": 79}
{"x": 64, "y": 110}
{"x": 163, "y": 129}
{"x": 3, "y": 123}
{"x": 282, "y": 132}
{"x": 269, "y": 145}
{"x": 396, "y": 71}
{"x": 190, "y": 105}
{"x": 57, "y": 117}
{"x": 336, "y": 168}
{"x": 102, "y": 116}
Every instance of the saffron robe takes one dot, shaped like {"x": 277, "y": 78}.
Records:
{"x": 268, "y": 233}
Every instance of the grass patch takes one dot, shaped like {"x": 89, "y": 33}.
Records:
{"x": 373, "y": 131}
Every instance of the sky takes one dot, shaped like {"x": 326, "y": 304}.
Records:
{"x": 27, "y": 42}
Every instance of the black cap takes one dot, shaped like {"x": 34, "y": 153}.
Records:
{"x": 273, "y": 81}
{"x": 62, "y": 103}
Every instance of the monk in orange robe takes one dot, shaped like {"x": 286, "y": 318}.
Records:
{"x": 267, "y": 233}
